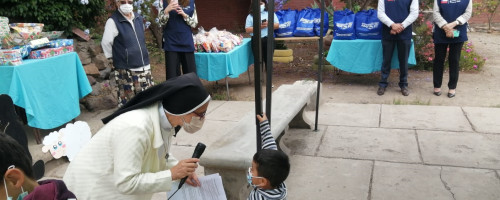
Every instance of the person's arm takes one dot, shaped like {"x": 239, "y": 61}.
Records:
{"x": 249, "y": 24}
{"x": 464, "y": 18}
{"x": 381, "y": 14}
{"x": 413, "y": 14}
{"x": 128, "y": 154}
{"x": 163, "y": 15}
{"x": 191, "y": 21}
{"x": 110, "y": 32}
{"x": 268, "y": 141}
{"x": 436, "y": 15}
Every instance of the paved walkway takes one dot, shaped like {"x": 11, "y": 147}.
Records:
{"x": 371, "y": 151}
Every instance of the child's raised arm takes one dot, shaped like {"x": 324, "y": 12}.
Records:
{"x": 268, "y": 141}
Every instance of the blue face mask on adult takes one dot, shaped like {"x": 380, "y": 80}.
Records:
{"x": 262, "y": 7}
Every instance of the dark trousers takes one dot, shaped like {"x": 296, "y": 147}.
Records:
{"x": 173, "y": 61}
{"x": 264, "y": 50}
{"x": 453, "y": 59}
{"x": 403, "y": 53}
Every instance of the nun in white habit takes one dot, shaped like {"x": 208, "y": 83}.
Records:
{"x": 129, "y": 157}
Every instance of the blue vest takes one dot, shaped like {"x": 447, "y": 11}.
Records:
{"x": 450, "y": 10}
{"x": 397, "y": 11}
{"x": 177, "y": 35}
{"x": 129, "y": 46}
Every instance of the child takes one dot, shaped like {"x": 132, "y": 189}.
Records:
{"x": 16, "y": 174}
{"x": 270, "y": 168}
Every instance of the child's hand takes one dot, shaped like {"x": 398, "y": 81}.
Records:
{"x": 262, "y": 118}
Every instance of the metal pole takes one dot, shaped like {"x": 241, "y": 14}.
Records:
{"x": 269, "y": 61}
{"x": 257, "y": 52}
{"x": 320, "y": 66}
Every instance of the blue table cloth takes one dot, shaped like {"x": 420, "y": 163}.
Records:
{"x": 217, "y": 66}
{"x": 362, "y": 56}
{"x": 48, "y": 89}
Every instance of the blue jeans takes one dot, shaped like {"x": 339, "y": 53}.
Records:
{"x": 403, "y": 47}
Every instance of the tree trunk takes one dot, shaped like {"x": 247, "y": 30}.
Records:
{"x": 156, "y": 30}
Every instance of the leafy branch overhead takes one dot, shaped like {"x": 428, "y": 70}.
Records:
{"x": 55, "y": 15}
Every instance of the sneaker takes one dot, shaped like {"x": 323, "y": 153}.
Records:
{"x": 381, "y": 91}
{"x": 405, "y": 91}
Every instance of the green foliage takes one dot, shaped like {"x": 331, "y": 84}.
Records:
{"x": 55, "y": 15}
{"x": 489, "y": 7}
{"x": 424, "y": 45}
{"x": 470, "y": 60}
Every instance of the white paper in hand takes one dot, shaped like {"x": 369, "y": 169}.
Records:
{"x": 211, "y": 189}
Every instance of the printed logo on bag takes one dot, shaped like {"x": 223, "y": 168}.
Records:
{"x": 370, "y": 25}
{"x": 306, "y": 21}
{"x": 444, "y": 1}
{"x": 344, "y": 25}
{"x": 286, "y": 24}
{"x": 304, "y": 29}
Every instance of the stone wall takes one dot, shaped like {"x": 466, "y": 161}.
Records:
{"x": 98, "y": 70}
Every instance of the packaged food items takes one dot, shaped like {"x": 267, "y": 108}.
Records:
{"x": 215, "y": 40}
{"x": 50, "y": 52}
{"x": 10, "y": 57}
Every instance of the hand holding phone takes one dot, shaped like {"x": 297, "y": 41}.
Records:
{"x": 456, "y": 33}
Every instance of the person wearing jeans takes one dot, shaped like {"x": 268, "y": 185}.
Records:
{"x": 397, "y": 17}
{"x": 450, "y": 31}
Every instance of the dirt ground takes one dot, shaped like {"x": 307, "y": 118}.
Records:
{"x": 479, "y": 89}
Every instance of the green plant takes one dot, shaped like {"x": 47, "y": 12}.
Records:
{"x": 470, "y": 60}
{"x": 414, "y": 102}
{"x": 489, "y": 7}
{"x": 55, "y": 15}
{"x": 424, "y": 44}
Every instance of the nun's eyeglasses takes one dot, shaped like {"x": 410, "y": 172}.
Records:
{"x": 201, "y": 116}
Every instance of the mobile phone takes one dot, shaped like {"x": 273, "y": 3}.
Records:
{"x": 264, "y": 20}
{"x": 456, "y": 33}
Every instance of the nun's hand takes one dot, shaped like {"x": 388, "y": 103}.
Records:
{"x": 184, "y": 168}
{"x": 193, "y": 180}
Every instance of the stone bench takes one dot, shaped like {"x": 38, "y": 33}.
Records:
{"x": 231, "y": 155}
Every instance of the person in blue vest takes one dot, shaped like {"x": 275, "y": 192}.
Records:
{"x": 397, "y": 17}
{"x": 177, "y": 18}
{"x": 124, "y": 43}
{"x": 450, "y": 31}
{"x": 263, "y": 27}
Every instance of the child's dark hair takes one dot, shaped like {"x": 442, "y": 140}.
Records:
{"x": 273, "y": 165}
{"x": 12, "y": 153}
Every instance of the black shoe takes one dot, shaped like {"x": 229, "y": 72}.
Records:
{"x": 437, "y": 93}
{"x": 451, "y": 95}
{"x": 381, "y": 91}
{"x": 405, "y": 91}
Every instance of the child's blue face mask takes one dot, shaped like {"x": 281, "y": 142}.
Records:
{"x": 20, "y": 196}
{"x": 250, "y": 176}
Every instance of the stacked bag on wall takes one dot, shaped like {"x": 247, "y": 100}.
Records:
{"x": 362, "y": 25}
{"x": 304, "y": 23}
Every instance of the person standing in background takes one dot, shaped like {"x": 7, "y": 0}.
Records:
{"x": 263, "y": 27}
{"x": 450, "y": 31}
{"x": 178, "y": 17}
{"x": 123, "y": 41}
{"x": 397, "y": 17}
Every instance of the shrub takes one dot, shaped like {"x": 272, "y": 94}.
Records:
{"x": 469, "y": 59}
{"x": 55, "y": 15}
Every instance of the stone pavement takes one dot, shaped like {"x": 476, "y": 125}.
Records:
{"x": 371, "y": 151}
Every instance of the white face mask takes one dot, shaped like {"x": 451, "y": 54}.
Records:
{"x": 193, "y": 126}
{"x": 262, "y": 7}
{"x": 126, "y": 8}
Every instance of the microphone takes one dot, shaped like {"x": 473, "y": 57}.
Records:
{"x": 200, "y": 148}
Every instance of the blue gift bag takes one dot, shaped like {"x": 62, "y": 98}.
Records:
{"x": 317, "y": 22}
{"x": 305, "y": 24}
{"x": 368, "y": 26}
{"x": 343, "y": 25}
{"x": 287, "y": 20}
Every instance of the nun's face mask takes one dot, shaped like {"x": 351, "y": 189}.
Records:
{"x": 195, "y": 124}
